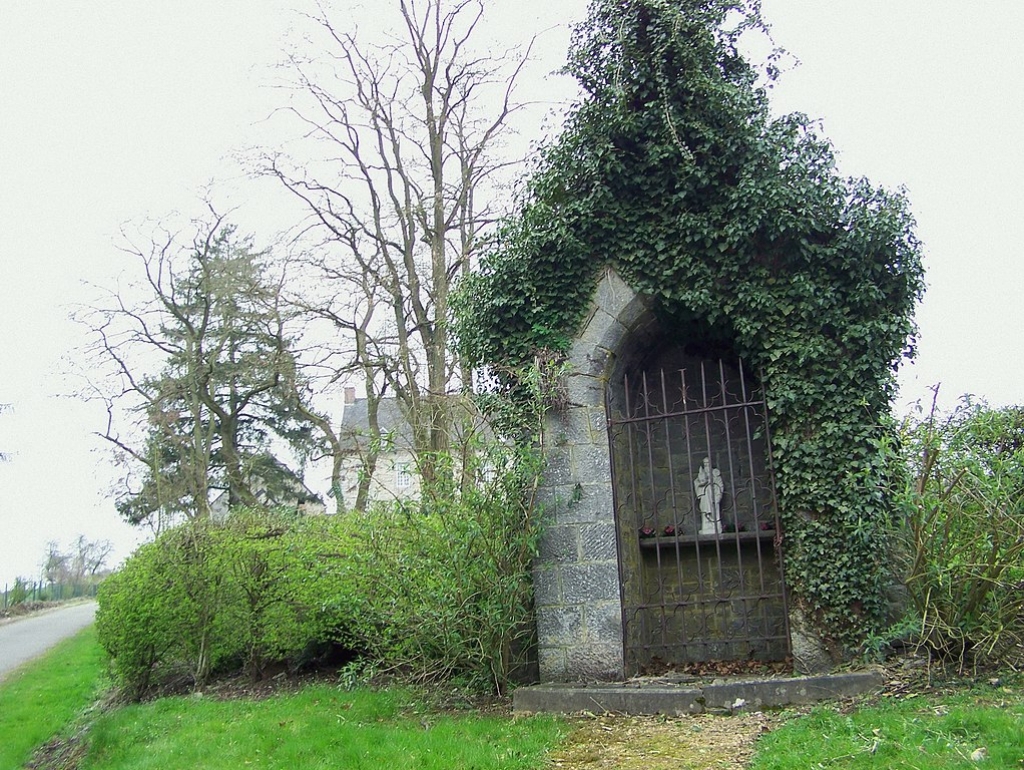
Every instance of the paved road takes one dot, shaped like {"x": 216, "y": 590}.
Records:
{"x": 26, "y": 638}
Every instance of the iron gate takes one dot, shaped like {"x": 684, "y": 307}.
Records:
{"x": 699, "y": 541}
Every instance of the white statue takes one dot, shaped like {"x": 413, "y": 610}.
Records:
{"x": 708, "y": 486}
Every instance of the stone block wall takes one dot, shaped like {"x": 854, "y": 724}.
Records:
{"x": 576, "y": 575}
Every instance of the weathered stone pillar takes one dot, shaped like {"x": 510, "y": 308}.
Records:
{"x": 576, "y": 576}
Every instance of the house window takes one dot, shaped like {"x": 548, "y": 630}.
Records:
{"x": 403, "y": 479}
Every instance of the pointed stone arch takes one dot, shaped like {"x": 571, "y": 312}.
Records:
{"x": 590, "y": 572}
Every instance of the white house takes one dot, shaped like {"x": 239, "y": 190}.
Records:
{"x": 395, "y": 477}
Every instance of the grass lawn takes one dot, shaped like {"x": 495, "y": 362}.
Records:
{"x": 43, "y": 697}
{"x": 325, "y": 726}
{"x": 979, "y": 727}
{"x": 319, "y": 727}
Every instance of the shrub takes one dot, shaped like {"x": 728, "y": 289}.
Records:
{"x": 447, "y": 579}
{"x": 161, "y": 613}
{"x": 435, "y": 588}
{"x": 140, "y": 616}
{"x": 293, "y": 586}
{"x": 260, "y": 588}
{"x": 963, "y": 534}
{"x": 20, "y": 592}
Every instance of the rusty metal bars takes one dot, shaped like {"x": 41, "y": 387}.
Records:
{"x": 697, "y": 596}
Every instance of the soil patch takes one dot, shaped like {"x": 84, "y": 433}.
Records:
{"x": 701, "y": 742}
{"x": 60, "y": 754}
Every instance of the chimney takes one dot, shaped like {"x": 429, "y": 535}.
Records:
{"x": 350, "y": 395}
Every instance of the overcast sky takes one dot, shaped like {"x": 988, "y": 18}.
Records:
{"x": 116, "y": 111}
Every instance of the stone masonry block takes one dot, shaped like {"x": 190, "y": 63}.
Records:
{"x": 773, "y": 693}
{"x": 546, "y": 591}
{"x": 559, "y": 544}
{"x": 578, "y": 427}
{"x": 603, "y": 622}
{"x": 552, "y": 663}
{"x": 600, "y": 328}
{"x": 671, "y": 699}
{"x": 560, "y": 626}
{"x": 617, "y": 299}
{"x": 546, "y": 501}
{"x": 612, "y": 293}
{"x": 594, "y": 662}
{"x": 597, "y": 542}
{"x": 612, "y": 336}
{"x": 598, "y": 423}
{"x": 589, "y": 503}
{"x": 596, "y": 427}
{"x": 590, "y": 463}
{"x": 567, "y": 504}
{"x": 584, "y": 390}
{"x": 632, "y": 313}
{"x": 558, "y": 466}
{"x": 601, "y": 698}
{"x": 557, "y": 504}
{"x": 592, "y": 361}
{"x": 588, "y": 318}
{"x": 597, "y": 582}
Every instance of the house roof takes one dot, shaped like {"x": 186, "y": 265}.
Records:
{"x": 355, "y": 424}
{"x": 273, "y": 484}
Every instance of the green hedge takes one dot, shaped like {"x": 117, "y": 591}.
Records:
{"x": 448, "y": 578}
{"x": 206, "y": 597}
{"x": 432, "y": 589}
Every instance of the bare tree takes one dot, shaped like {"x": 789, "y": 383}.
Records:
{"x": 199, "y": 367}
{"x": 4, "y": 456}
{"x": 412, "y": 129}
{"x": 81, "y": 563}
{"x": 354, "y": 353}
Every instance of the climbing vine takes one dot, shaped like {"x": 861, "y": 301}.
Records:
{"x": 672, "y": 169}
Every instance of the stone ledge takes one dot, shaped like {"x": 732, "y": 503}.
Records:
{"x": 604, "y": 698}
{"x": 693, "y": 698}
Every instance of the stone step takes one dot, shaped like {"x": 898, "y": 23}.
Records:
{"x": 725, "y": 694}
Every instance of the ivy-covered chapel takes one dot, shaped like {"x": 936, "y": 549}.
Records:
{"x": 731, "y": 311}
